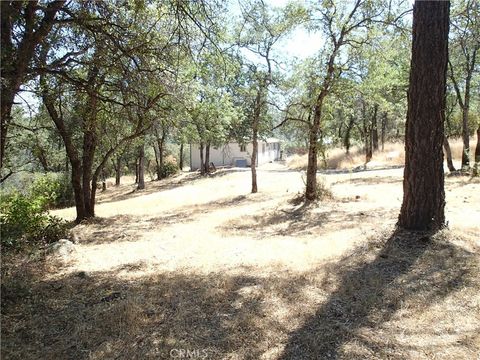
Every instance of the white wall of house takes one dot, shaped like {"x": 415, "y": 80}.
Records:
{"x": 228, "y": 154}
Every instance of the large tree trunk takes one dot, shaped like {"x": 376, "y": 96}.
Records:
{"x": 375, "y": 128}
{"x": 207, "y": 158}
{"x": 448, "y": 152}
{"x": 423, "y": 184}
{"x": 78, "y": 191}
{"x": 141, "y": 168}
{"x": 72, "y": 155}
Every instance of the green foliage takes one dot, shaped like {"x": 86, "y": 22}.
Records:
{"x": 52, "y": 191}
{"x": 170, "y": 167}
{"x": 24, "y": 221}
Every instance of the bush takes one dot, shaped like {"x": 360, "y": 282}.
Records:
{"x": 24, "y": 220}
{"x": 170, "y": 167}
{"x": 323, "y": 190}
{"x": 52, "y": 191}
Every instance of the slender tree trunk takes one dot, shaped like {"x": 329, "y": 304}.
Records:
{"x": 476, "y": 170}
{"x": 118, "y": 171}
{"x": 136, "y": 170}
{"x": 367, "y": 135}
{"x": 465, "y": 137}
{"x": 180, "y": 161}
{"x": 202, "y": 168}
{"x": 448, "y": 152}
{"x": 255, "y": 123}
{"x": 207, "y": 158}
{"x": 348, "y": 131}
{"x": 161, "y": 152}
{"x": 104, "y": 182}
{"x": 375, "y": 128}
{"x": 89, "y": 145}
{"x": 157, "y": 162}
{"x": 384, "y": 129}
{"x": 141, "y": 168}
{"x": 312, "y": 165}
{"x": 423, "y": 184}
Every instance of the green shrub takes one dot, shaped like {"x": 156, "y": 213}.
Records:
{"x": 170, "y": 167}
{"x": 52, "y": 191}
{"x": 24, "y": 220}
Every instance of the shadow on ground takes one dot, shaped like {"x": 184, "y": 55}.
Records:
{"x": 125, "y": 227}
{"x": 362, "y": 306}
{"x": 303, "y": 220}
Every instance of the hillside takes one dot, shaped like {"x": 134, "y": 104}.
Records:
{"x": 201, "y": 264}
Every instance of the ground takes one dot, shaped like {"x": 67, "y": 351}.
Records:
{"x": 200, "y": 267}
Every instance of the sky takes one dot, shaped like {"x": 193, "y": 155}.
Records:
{"x": 298, "y": 45}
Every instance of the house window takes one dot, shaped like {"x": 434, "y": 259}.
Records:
{"x": 243, "y": 148}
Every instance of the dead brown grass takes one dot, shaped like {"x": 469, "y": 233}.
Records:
{"x": 202, "y": 265}
{"x": 392, "y": 155}
{"x": 394, "y": 296}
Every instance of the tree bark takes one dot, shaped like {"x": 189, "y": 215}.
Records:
{"x": 202, "y": 169}
{"x": 180, "y": 161}
{"x": 207, "y": 158}
{"x": 161, "y": 152}
{"x": 136, "y": 170}
{"x": 72, "y": 155}
{"x": 141, "y": 168}
{"x": 157, "y": 162}
{"x": 346, "y": 141}
{"x": 423, "y": 185}
{"x": 448, "y": 152}
{"x": 89, "y": 145}
{"x": 375, "y": 128}
{"x": 476, "y": 170}
{"x": 255, "y": 123}
{"x": 367, "y": 135}
{"x": 384, "y": 129}
{"x": 118, "y": 171}
{"x": 465, "y": 135}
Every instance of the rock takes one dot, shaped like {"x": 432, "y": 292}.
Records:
{"x": 74, "y": 237}
{"x": 63, "y": 248}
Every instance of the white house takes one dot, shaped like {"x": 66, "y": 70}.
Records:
{"x": 234, "y": 154}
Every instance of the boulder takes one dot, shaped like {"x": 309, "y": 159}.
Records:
{"x": 63, "y": 248}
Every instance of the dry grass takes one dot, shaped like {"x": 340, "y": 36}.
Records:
{"x": 202, "y": 265}
{"x": 392, "y": 155}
